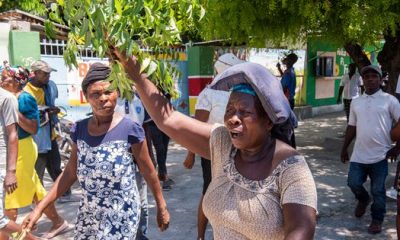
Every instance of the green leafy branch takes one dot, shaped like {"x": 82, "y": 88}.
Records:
{"x": 147, "y": 29}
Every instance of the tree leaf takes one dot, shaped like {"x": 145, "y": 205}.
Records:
{"x": 118, "y": 6}
{"x": 152, "y": 68}
{"x": 145, "y": 63}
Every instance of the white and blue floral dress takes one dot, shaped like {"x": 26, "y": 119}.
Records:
{"x": 110, "y": 204}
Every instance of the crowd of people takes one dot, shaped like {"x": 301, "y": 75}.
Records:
{"x": 256, "y": 184}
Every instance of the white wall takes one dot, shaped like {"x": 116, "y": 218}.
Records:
{"x": 4, "y": 35}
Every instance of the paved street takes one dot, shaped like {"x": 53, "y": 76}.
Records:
{"x": 318, "y": 139}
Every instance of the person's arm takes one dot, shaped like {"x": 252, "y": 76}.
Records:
{"x": 393, "y": 152}
{"x": 190, "y": 133}
{"x": 146, "y": 167}
{"x": 28, "y": 114}
{"x": 299, "y": 221}
{"x": 339, "y": 97}
{"x": 278, "y": 66}
{"x": 13, "y": 227}
{"x": 10, "y": 180}
{"x": 395, "y": 132}
{"x": 29, "y": 125}
{"x": 350, "y": 134}
{"x": 201, "y": 115}
{"x": 60, "y": 186}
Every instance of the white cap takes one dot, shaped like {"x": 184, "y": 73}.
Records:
{"x": 225, "y": 61}
{"x": 40, "y": 65}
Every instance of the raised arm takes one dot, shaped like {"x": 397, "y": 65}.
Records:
{"x": 190, "y": 133}
{"x": 201, "y": 115}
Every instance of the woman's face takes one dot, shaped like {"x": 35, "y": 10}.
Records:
{"x": 101, "y": 99}
{"x": 248, "y": 127}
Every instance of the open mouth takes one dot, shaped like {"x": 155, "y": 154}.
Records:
{"x": 236, "y": 135}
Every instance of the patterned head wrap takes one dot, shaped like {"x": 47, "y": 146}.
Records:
{"x": 7, "y": 73}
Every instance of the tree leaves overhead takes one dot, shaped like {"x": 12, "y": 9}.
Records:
{"x": 33, "y": 6}
{"x": 283, "y": 22}
{"x": 144, "y": 28}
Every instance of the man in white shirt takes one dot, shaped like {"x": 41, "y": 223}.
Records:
{"x": 371, "y": 118}
{"x": 350, "y": 86}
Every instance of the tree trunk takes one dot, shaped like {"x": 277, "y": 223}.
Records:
{"x": 389, "y": 59}
{"x": 357, "y": 54}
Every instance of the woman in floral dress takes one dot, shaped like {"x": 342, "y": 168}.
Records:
{"x": 102, "y": 162}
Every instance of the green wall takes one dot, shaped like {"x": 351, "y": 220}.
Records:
{"x": 200, "y": 59}
{"x": 23, "y": 46}
{"x": 316, "y": 45}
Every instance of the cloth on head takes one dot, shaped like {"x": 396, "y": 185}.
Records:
{"x": 5, "y": 73}
{"x": 225, "y": 61}
{"x": 97, "y": 72}
{"x": 268, "y": 89}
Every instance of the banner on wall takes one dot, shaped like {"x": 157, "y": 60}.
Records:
{"x": 74, "y": 80}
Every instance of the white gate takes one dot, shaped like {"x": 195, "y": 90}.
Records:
{"x": 68, "y": 81}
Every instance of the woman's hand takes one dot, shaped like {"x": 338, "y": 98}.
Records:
{"x": 130, "y": 64}
{"x": 162, "y": 218}
{"x": 30, "y": 221}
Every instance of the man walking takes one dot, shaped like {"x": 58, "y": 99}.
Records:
{"x": 45, "y": 92}
{"x": 371, "y": 118}
{"x": 350, "y": 86}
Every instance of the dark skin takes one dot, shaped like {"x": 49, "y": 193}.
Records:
{"x": 31, "y": 126}
{"x": 202, "y": 221}
{"x": 13, "y": 86}
{"x": 40, "y": 79}
{"x": 395, "y": 135}
{"x": 352, "y": 71}
{"x": 250, "y": 140}
{"x": 103, "y": 101}
{"x": 10, "y": 180}
{"x": 201, "y": 115}
{"x": 287, "y": 62}
{"x": 372, "y": 83}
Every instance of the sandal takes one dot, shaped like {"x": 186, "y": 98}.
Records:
{"x": 55, "y": 232}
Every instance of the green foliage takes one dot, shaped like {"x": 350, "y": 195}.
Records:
{"x": 33, "y": 6}
{"x": 283, "y": 22}
{"x": 131, "y": 26}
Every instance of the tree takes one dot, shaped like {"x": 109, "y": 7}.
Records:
{"x": 144, "y": 28}
{"x": 34, "y": 6}
{"x": 348, "y": 23}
